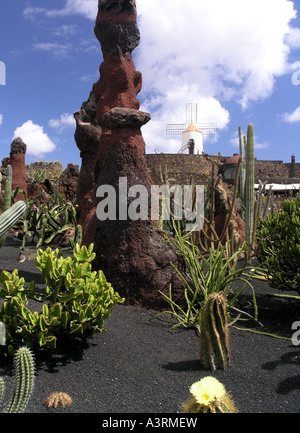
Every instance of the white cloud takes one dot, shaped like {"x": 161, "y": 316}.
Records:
{"x": 66, "y": 120}
{"x": 209, "y": 52}
{"x": 37, "y": 141}
{"x": 211, "y": 44}
{"x": 86, "y": 8}
{"x": 58, "y": 50}
{"x": 234, "y": 141}
{"x": 292, "y": 117}
{"x": 293, "y": 38}
{"x": 65, "y": 30}
{"x": 1, "y": 119}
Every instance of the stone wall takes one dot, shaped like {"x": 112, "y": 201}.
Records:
{"x": 199, "y": 166}
{"x": 183, "y": 166}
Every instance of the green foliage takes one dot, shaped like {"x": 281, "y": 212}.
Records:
{"x": 214, "y": 333}
{"x": 278, "y": 238}
{"x": 206, "y": 275}
{"x": 38, "y": 176}
{"x": 85, "y": 296}
{"x": 24, "y": 381}
{"x": 76, "y": 302}
{"x": 49, "y": 221}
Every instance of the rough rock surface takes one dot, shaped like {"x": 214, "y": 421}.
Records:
{"x": 87, "y": 137}
{"x": 17, "y": 161}
{"x": 67, "y": 182}
{"x": 133, "y": 254}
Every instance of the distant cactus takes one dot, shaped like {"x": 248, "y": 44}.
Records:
{"x": 208, "y": 396}
{"x": 214, "y": 335}
{"x": 24, "y": 381}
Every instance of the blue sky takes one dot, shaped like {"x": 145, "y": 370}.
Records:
{"x": 239, "y": 60}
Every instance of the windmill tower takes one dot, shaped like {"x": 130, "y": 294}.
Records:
{"x": 192, "y": 131}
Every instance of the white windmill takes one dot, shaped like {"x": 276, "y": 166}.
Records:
{"x": 192, "y": 131}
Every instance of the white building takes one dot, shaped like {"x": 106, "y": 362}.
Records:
{"x": 192, "y": 141}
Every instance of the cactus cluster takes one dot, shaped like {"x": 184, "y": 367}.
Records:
{"x": 24, "y": 381}
{"x": 214, "y": 334}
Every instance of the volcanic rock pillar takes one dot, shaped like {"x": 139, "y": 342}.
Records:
{"x": 131, "y": 252}
{"x": 17, "y": 161}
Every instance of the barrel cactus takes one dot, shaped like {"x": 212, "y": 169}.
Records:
{"x": 214, "y": 333}
{"x": 208, "y": 395}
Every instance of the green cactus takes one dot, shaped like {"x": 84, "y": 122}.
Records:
{"x": 249, "y": 186}
{"x": 10, "y": 217}
{"x": 214, "y": 335}
{"x": 7, "y": 198}
{"x": 243, "y": 167}
{"x": 24, "y": 381}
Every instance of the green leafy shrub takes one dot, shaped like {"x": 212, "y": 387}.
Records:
{"x": 76, "y": 302}
{"x": 278, "y": 239}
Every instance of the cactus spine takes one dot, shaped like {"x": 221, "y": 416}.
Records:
{"x": 24, "y": 381}
{"x": 11, "y": 216}
{"x": 249, "y": 186}
{"x": 214, "y": 334}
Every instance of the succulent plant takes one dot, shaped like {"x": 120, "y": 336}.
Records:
{"x": 278, "y": 239}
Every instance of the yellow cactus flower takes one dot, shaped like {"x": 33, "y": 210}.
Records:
{"x": 207, "y": 389}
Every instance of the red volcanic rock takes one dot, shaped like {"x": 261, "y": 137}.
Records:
{"x": 133, "y": 254}
{"x": 17, "y": 162}
{"x": 87, "y": 137}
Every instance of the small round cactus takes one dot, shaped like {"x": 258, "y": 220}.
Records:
{"x": 209, "y": 396}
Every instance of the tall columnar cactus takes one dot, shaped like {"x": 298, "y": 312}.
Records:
{"x": 243, "y": 166}
{"x": 10, "y": 217}
{"x": 214, "y": 334}
{"x": 249, "y": 186}
{"x": 24, "y": 381}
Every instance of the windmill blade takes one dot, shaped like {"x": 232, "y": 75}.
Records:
{"x": 191, "y": 113}
{"x": 208, "y": 128}
{"x": 175, "y": 129}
